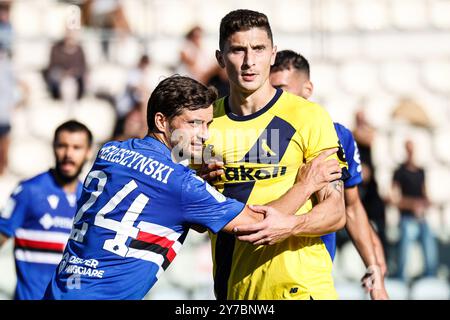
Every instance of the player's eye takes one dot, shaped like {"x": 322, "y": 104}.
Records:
{"x": 196, "y": 123}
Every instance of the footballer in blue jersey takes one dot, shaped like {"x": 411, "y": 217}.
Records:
{"x": 40, "y": 211}
{"x": 291, "y": 72}
{"x": 138, "y": 203}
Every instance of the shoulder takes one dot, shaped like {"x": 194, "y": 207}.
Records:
{"x": 299, "y": 111}
{"x": 36, "y": 181}
{"x": 344, "y": 134}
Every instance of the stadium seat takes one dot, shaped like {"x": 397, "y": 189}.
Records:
{"x": 209, "y": 14}
{"x": 341, "y": 108}
{"x": 140, "y": 17}
{"x": 293, "y": 16}
{"x": 380, "y": 150}
{"x": 351, "y": 265}
{"x": 400, "y": 77}
{"x": 36, "y": 61}
{"x": 370, "y": 15}
{"x": 8, "y": 277}
{"x": 435, "y": 177}
{"x": 35, "y": 83}
{"x": 378, "y": 109}
{"x": 440, "y": 11}
{"x": 92, "y": 48}
{"x": 98, "y": 115}
{"x": 430, "y": 289}
{"x": 174, "y": 18}
{"x": 165, "y": 51}
{"x": 8, "y": 183}
{"x": 359, "y": 77}
{"x": 324, "y": 77}
{"x": 441, "y": 140}
{"x": 107, "y": 78}
{"x": 409, "y": 14}
{"x": 396, "y": 289}
{"x": 28, "y": 157}
{"x": 350, "y": 290}
{"x": 26, "y": 18}
{"x": 437, "y": 75}
{"x": 126, "y": 51}
{"x": 57, "y": 16}
{"x": 45, "y": 116}
{"x": 335, "y": 16}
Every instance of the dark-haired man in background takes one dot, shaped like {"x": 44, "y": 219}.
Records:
{"x": 40, "y": 211}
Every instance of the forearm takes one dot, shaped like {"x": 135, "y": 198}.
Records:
{"x": 379, "y": 252}
{"x": 292, "y": 200}
{"x": 326, "y": 217}
{"x": 360, "y": 232}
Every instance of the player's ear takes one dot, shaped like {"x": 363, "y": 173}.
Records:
{"x": 161, "y": 122}
{"x": 274, "y": 55}
{"x": 219, "y": 58}
{"x": 308, "y": 89}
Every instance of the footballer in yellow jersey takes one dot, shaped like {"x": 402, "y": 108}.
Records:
{"x": 262, "y": 153}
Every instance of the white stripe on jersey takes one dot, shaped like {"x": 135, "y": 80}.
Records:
{"x": 159, "y": 230}
{"x": 148, "y": 256}
{"x": 37, "y": 257}
{"x": 44, "y": 236}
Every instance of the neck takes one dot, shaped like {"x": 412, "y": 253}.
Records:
{"x": 243, "y": 103}
{"x": 160, "y": 137}
{"x": 410, "y": 164}
{"x": 69, "y": 186}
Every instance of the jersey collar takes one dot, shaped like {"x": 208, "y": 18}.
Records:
{"x": 235, "y": 117}
{"x": 158, "y": 145}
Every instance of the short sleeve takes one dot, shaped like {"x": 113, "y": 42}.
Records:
{"x": 321, "y": 135}
{"x": 204, "y": 205}
{"x": 13, "y": 213}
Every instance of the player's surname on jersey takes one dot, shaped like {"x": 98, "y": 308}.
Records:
{"x": 143, "y": 164}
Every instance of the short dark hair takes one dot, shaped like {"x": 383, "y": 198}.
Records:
{"x": 174, "y": 95}
{"x": 73, "y": 126}
{"x": 242, "y": 20}
{"x": 287, "y": 59}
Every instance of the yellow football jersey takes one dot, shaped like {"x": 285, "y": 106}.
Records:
{"x": 262, "y": 153}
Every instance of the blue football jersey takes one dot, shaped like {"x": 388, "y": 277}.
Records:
{"x": 351, "y": 154}
{"x": 39, "y": 216}
{"x": 351, "y": 151}
{"x": 133, "y": 216}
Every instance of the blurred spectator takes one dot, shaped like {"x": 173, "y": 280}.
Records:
{"x": 67, "y": 62}
{"x": 108, "y": 16}
{"x": 219, "y": 80}
{"x": 195, "y": 61}
{"x": 137, "y": 90}
{"x": 5, "y": 25}
{"x": 132, "y": 125}
{"x": 13, "y": 92}
{"x": 40, "y": 211}
{"x": 375, "y": 206}
{"x": 410, "y": 197}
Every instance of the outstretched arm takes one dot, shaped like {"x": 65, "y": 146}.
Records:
{"x": 362, "y": 235}
{"x": 328, "y": 216}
